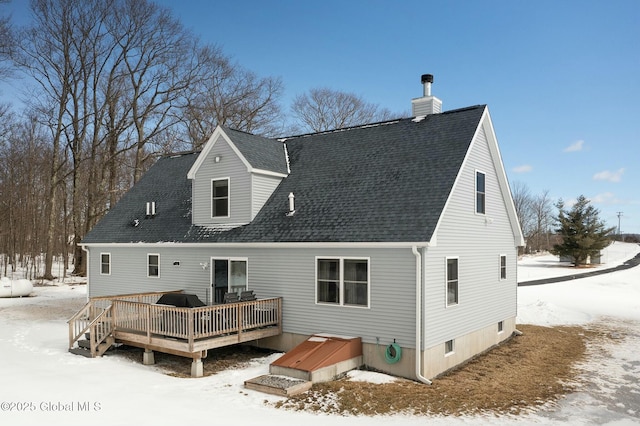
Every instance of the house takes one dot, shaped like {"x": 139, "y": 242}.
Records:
{"x": 402, "y": 233}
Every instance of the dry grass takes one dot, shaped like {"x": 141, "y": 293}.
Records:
{"x": 523, "y": 373}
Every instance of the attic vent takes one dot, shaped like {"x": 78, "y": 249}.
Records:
{"x": 151, "y": 208}
{"x": 292, "y": 204}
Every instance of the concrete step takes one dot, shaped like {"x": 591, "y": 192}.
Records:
{"x": 278, "y": 385}
{"x": 85, "y": 344}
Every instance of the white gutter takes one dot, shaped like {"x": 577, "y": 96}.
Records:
{"x": 418, "y": 256}
{"x": 363, "y": 244}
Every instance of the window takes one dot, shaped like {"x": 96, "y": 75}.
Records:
{"x": 452, "y": 281}
{"x": 153, "y": 265}
{"x": 480, "y": 192}
{"x": 105, "y": 263}
{"x": 503, "y": 267}
{"x": 342, "y": 281}
{"x": 448, "y": 347}
{"x": 500, "y": 327}
{"x": 220, "y": 198}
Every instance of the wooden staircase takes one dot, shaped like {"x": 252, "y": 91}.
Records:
{"x": 84, "y": 347}
{"x": 91, "y": 331}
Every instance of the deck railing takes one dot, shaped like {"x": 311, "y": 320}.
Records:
{"x": 139, "y": 314}
{"x": 82, "y": 321}
{"x": 192, "y": 324}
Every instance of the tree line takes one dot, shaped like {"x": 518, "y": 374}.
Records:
{"x": 576, "y": 233}
{"x": 107, "y": 85}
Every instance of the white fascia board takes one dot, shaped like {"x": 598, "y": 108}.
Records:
{"x": 268, "y": 245}
{"x": 267, "y": 172}
{"x": 209, "y": 146}
{"x": 502, "y": 176}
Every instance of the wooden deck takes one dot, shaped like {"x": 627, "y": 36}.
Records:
{"x": 136, "y": 320}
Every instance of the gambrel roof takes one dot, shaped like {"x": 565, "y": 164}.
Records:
{"x": 385, "y": 182}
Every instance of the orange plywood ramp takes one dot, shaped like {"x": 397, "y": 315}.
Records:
{"x": 320, "y": 351}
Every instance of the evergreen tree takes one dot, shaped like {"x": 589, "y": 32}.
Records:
{"x": 583, "y": 233}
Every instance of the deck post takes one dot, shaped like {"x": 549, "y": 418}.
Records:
{"x": 197, "y": 369}
{"x": 148, "y": 357}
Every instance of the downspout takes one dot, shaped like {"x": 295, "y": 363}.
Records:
{"x": 418, "y": 256}
{"x": 84, "y": 249}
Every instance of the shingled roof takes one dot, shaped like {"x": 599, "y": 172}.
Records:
{"x": 262, "y": 153}
{"x": 385, "y": 182}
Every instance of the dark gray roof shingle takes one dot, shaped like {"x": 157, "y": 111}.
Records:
{"x": 387, "y": 182}
{"x": 262, "y": 153}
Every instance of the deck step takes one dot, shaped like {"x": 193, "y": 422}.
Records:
{"x": 84, "y": 347}
{"x": 278, "y": 385}
{"x": 81, "y": 351}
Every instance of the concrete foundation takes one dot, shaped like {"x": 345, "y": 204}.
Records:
{"x": 148, "y": 358}
{"x": 197, "y": 369}
{"x": 434, "y": 362}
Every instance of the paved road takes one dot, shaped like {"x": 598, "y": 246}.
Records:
{"x": 635, "y": 261}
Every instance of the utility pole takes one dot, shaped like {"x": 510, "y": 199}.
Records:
{"x": 619, "y": 216}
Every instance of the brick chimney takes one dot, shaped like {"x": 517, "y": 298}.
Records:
{"x": 427, "y": 104}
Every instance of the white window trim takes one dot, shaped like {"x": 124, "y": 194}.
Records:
{"x": 500, "y": 325}
{"x": 228, "y": 179}
{"x": 446, "y": 282}
{"x": 103, "y": 254}
{"x": 153, "y": 254}
{"x": 506, "y": 271}
{"x": 341, "y": 279}
{"x": 229, "y": 260}
{"x": 475, "y": 193}
{"x": 453, "y": 348}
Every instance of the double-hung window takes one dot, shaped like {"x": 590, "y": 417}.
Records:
{"x": 503, "y": 267}
{"x": 452, "y": 281}
{"x": 105, "y": 263}
{"x": 220, "y": 197}
{"x": 153, "y": 265}
{"x": 480, "y": 193}
{"x": 342, "y": 281}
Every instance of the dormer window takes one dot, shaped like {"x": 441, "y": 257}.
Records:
{"x": 220, "y": 198}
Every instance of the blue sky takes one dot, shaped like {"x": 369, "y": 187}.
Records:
{"x": 561, "y": 78}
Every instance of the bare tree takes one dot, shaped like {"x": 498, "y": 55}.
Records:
{"x": 7, "y": 42}
{"x": 325, "y": 109}
{"x": 232, "y": 96}
{"x": 542, "y": 211}
{"x": 45, "y": 55}
{"x": 24, "y": 156}
{"x": 523, "y": 201}
{"x": 159, "y": 63}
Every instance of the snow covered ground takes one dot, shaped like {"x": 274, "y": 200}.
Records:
{"x": 41, "y": 383}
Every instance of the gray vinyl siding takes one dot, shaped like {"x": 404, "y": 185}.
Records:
{"x": 262, "y": 186}
{"x": 232, "y": 167}
{"x": 478, "y": 241}
{"x": 279, "y": 272}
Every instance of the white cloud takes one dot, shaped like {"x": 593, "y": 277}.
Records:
{"x": 615, "y": 176}
{"x": 525, "y": 168}
{"x": 576, "y": 146}
{"x": 608, "y": 198}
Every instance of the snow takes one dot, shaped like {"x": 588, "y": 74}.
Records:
{"x": 42, "y": 383}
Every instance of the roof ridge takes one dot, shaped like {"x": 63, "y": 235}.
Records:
{"x": 179, "y": 153}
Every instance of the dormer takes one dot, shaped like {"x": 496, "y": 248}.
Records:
{"x": 233, "y": 177}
